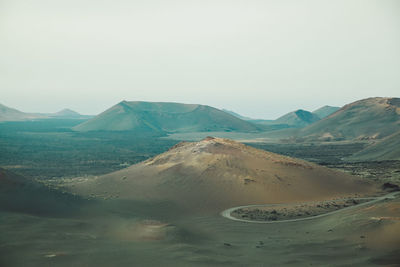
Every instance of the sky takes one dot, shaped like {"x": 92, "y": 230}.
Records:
{"x": 260, "y": 58}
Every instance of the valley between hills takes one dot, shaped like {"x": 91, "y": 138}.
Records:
{"x": 145, "y": 183}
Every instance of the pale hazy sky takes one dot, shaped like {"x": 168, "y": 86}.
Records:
{"x": 259, "y": 58}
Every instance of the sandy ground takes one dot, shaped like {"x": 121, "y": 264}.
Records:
{"x": 112, "y": 233}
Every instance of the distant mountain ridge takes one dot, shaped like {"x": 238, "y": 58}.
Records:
{"x": 66, "y": 113}
{"x": 11, "y": 114}
{"x": 370, "y": 118}
{"x": 366, "y": 119}
{"x": 298, "y": 118}
{"x": 167, "y": 117}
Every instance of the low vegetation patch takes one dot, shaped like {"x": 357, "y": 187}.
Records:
{"x": 280, "y": 212}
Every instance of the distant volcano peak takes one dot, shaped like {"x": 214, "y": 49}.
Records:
{"x": 164, "y": 117}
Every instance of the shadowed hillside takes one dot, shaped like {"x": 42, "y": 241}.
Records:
{"x": 215, "y": 173}
{"x": 165, "y": 117}
{"x": 386, "y": 149}
{"x": 18, "y": 194}
{"x": 370, "y": 118}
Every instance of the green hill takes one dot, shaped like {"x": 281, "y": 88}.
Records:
{"x": 160, "y": 117}
{"x": 298, "y": 118}
{"x": 325, "y": 111}
{"x": 370, "y": 118}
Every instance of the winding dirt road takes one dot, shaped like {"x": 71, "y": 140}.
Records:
{"x": 227, "y": 213}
